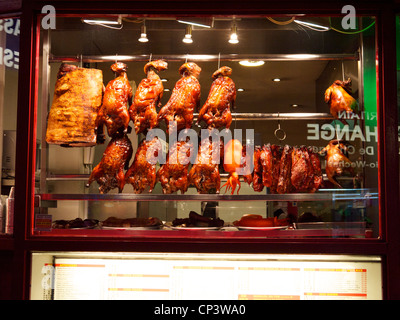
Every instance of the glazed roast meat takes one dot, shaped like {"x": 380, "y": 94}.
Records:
{"x": 302, "y": 170}
{"x": 109, "y": 173}
{"x": 216, "y": 112}
{"x": 338, "y": 96}
{"x": 72, "y": 120}
{"x": 173, "y": 175}
{"x": 285, "y": 166}
{"x": 117, "y": 98}
{"x": 337, "y": 162}
{"x": 285, "y": 169}
{"x": 142, "y": 172}
{"x": 143, "y": 110}
{"x": 316, "y": 181}
{"x": 204, "y": 174}
{"x": 185, "y": 98}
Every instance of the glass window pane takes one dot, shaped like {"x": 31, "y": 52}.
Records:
{"x": 305, "y": 110}
{"x": 9, "y": 64}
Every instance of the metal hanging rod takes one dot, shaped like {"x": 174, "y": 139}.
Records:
{"x": 280, "y": 116}
{"x": 204, "y": 57}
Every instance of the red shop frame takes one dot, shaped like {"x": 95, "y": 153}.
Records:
{"x": 387, "y": 246}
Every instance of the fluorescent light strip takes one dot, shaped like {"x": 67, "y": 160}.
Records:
{"x": 94, "y": 21}
{"x": 194, "y": 24}
{"x": 309, "y": 24}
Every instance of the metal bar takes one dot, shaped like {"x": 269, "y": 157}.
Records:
{"x": 280, "y": 116}
{"x": 206, "y": 57}
{"x": 44, "y": 109}
{"x": 345, "y": 194}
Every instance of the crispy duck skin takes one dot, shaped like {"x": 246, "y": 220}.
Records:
{"x": 142, "y": 111}
{"x": 142, "y": 172}
{"x": 338, "y": 96}
{"x": 173, "y": 175}
{"x": 185, "y": 98}
{"x": 284, "y": 183}
{"x": 72, "y": 120}
{"x": 337, "y": 163}
{"x": 216, "y": 112}
{"x": 301, "y": 171}
{"x": 204, "y": 174}
{"x": 117, "y": 97}
{"x": 109, "y": 173}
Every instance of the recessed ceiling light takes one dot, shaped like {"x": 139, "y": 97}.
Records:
{"x": 164, "y": 80}
{"x": 240, "y": 89}
{"x": 276, "y": 79}
{"x": 294, "y": 105}
{"x": 166, "y": 89}
{"x": 251, "y": 63}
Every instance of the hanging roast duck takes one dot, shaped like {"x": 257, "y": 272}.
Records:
{"x": 338, "y": 96}
{"x": 147, "y": 97}
{"x": 185, "y": 98}
{"x": 216, "y": 112}
{"x": 117, "y": 97}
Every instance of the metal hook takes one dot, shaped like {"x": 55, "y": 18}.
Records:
{"x": 283, "y": 137}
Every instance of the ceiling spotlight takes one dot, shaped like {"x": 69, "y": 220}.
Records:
{"x": 276, "y": 79}
{"x": 240, "y": 89}
{"x": 294, "y": 105}
{"x": 143, "y": 35}
{"x": 188, "y": 35}
{"x": 251, "y": 63}
{"x": 234, "y": 38}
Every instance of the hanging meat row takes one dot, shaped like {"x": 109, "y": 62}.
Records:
{"x": 285, "y": 169}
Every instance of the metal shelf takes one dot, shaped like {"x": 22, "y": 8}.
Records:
{"x": 322, "y": 195}
{"x": 204, "y": 57}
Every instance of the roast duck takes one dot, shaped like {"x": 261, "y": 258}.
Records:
{"x": 147, "y": 97}
{"x": 338, "y": 96}
{"x": 173, "y": 175}
{"x": 285, "y": 169}
{"x": 109, "y": 173}
{"x": 337, "y": 162}
{"x": 216, "y": 112}
{"x": 142, "y": 172}
{"x": 77, "y": 98}
{"x": 185, "y": 98}
{"x": 204, "y": 174}
{"x": 117, "y": 98}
